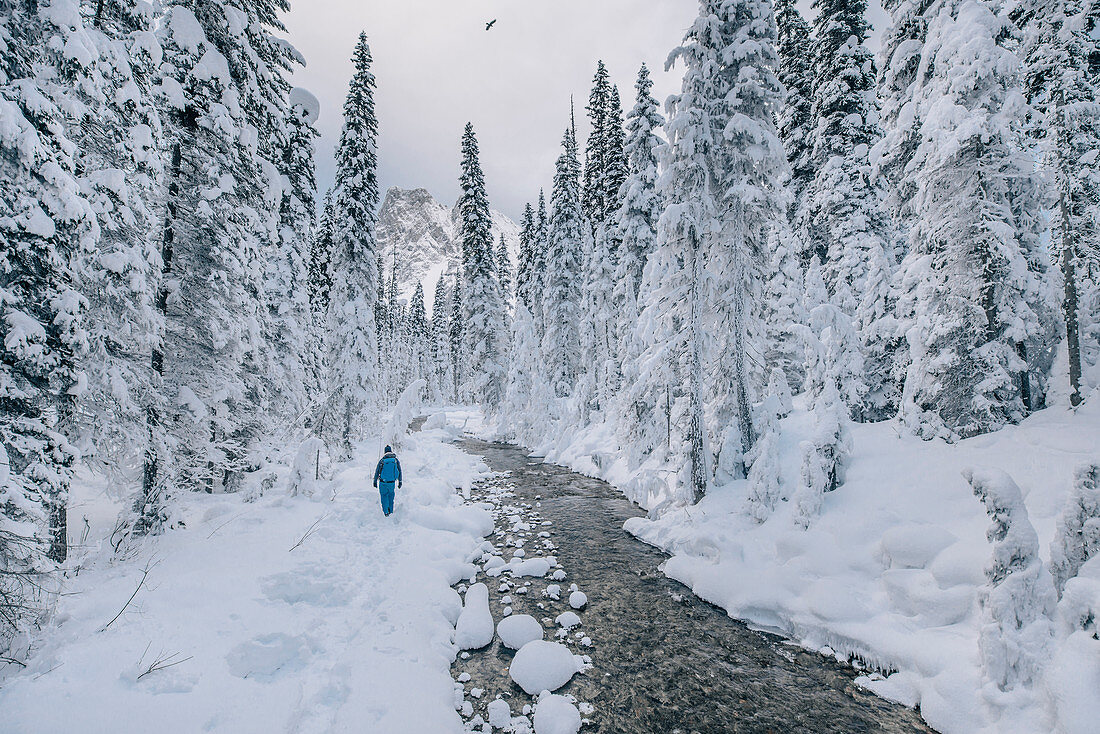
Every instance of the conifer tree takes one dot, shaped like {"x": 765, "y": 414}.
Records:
{"x": 844, "y": 222}
{"x": 723, "y": 164}
{"x": 526, "y": 277}
{"x": 972, "y": 282}
{"x": 504, "y": 270}
{"x": 46, "y": 222}
{"x": 484, "y": 328}
{"x": 457, "y": 336}
{"x": 441, "y": 383}
{"x": 354, "y": 345}
{"x": 540, "y": 247}
{"x": 1061, "y": 46}
{"x": 636, "y": 219}
{"x": 795, "y": 119}
{"x": 320, "y": 265}
{"x": 223, "y": 200}
{"x": 569, "y": 237}
{"x": 596, "y": 151}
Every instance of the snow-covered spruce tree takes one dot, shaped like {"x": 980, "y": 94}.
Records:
{"x": 456, "y": 334}
{"x": 44, "y": 223}
{"x": 1019, "y": 598}
{"x": 843, "y": 221}
{"x": 320, "y": 266}
{"x": 783, "y": 306}
{"x": 723, "y": 164}
{"x": 832, "y": 345}
{"x": 106, "y": 69}
{"x": 525, "y": 271}
{"x": 483, "y": 306}
{"x": 225, "y": 92}
{"x": 824, "y": 457}
{"x": 526, "y": 399}
{"x": 504, "y": 272}
{"x": 419, "y": 338}
{"x": 899, "y": 62}
{"x": 971, "y": 286}
{"x": 441, "y": 386}
{"x": 637, "y": 217}
{"x": 569, "y": 237}
{"x": 353, "y": 338}
{"x": 540, "y": 254}
{"x": 1060, "y": 48}
{"x": 594, "y": 192}
{"x": 291, "y": 338}
{"x": 794, "y": 120}
{"x": 1078, "y": 536}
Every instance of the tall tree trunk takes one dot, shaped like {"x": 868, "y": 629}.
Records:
{"x": 696, "y": 427}
{"x": 1069, "y": 302}
{"x": 149, "y": 512}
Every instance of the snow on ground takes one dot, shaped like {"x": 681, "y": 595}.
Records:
{"x": 892, "y": 570}
{"x": 286, "y": 614}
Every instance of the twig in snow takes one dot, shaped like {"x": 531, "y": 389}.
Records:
{"x": 162, "y": 662}
{"x": 239, "y": 514}
{"x": 312, "y": 529}
{"x": 144, "y": 575}
{"x": 20, "y": 663}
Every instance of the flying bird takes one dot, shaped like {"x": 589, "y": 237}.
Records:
{"x": 490, "y": 24}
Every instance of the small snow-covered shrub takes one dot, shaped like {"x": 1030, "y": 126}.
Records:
{"x": 303, "y": 474}
{"x": 778, "y": 386}
{"x": 1016, "y": 603}
{"x": 1078, "y": 536}
{"x": 834, "y": 443}
{"x": 810, "y": 494}
{"x": 764, "y": 484}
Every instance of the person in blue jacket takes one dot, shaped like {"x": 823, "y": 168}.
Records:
{"x": 387, "y": 473}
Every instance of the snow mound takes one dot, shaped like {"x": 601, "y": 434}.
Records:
{"x": 568, "y": 620}
{"x": 578, "y": 600}
{"x": 435, "y": 421}
{"x": 535, "y": 567}
{"x": 543, "y": 666}
{"x": 517, "y": 631}
{"x": 475, "y": 624}
{"x": 556, "y": 715}
{"x": 500, "y": 715}
{"x": 309, "y": 108}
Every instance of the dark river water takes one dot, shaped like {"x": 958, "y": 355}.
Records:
{"x": 662, "y": 660}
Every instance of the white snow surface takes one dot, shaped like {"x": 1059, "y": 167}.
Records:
{"x": 516, "y": 631}
{"x": 543, "y": 666}
{"x": 475, "y": 625}
{"x": 892, "y": 571}
{"x": 350, "y": 631}
{"x": 556, "y": 715}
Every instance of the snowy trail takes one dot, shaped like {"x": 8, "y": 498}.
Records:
{"x": 295, "y": 615}
{"x": 662, "y": 660}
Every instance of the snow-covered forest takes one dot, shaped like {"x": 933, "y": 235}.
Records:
{"x": 831, "y": 317}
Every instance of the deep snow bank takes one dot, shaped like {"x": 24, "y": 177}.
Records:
{"x": 349, "y": 631}
{"x": 892, "y": 570}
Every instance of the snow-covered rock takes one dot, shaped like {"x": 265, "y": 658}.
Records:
{"x": 568, "y": 620}
{"x": 556, "y": 715}
{"x": 578, "y": 600}
{"x": 475, "y": 624}
{"x": 517, "y": 631}
{"x": 500, "y": 715}
{"x": 543, "y": 666}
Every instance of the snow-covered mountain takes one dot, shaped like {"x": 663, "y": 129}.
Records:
{"x": 425, "y": 236}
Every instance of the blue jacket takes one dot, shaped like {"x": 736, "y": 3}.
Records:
{"x": 378, "y": 469}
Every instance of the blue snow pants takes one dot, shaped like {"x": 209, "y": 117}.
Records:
{"x": 386, "y": 490}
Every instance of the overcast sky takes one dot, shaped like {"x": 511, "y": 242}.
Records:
{"x": 438, "y": 67}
